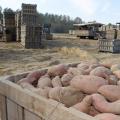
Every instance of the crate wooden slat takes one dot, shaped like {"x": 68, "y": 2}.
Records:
{"x": 26, "y": 105}
{"x": 3, "y": 107}
{"x": 14, "y": 111}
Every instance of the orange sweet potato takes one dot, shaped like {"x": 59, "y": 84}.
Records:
{"x": 83, "y": 66}
{"x": 66, "y": 95}
{"x": 56, "y": 82}
{"x": 41, "y": 92}
{"x": 107, "y": 116}
{"x": 75, "y": 71}
{"x": 85, "y": 105}
{"x": 93, "y": 111}
{"x": 107, "y": 64}
{"x": 87, "y": 83}
{"x": 44, "y": 81}
{"x": 91, "y": 67}
{"x": 27, "y": 85}
{"x": 110, "y": 92}
{"x": 57, "y": 70}
{"x": 117, "y": 73}
{"x": 101, "y": 72}
{"x": 66, "y": 78}
{"x": 35, "y": 75}
{"x": 112, "y": 79}
{"x": 27, "y": 80}
{"x": 102, "y": 105}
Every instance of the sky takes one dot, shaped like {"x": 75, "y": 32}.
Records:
{"x": 104, "y": 11}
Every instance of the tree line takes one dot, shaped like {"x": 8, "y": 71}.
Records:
{"x": 59, "y": 23}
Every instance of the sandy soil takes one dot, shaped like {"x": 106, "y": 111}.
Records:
{"x": 15, "y": 59}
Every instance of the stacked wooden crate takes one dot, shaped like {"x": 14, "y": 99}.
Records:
{"x": 107, "y": 45}
{"x": 29, "y": 14}
{"x": 31, "y": 36}
{"x": 30, "y": 30}
{"x": 18, "y": 25}
{"x": 9, "y": 33}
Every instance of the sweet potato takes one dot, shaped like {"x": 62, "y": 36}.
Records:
{"x": 58, "y": 70}
{"x": 44, "y": 81}
{"x": 102, "y": 105}
{"x": 66, "y": 78}
{"x": 91, "y": 67}
{"x": 66, "y": 95}
{"x": 75, "y": 71}
{"x": 87, "y": 83}
{"x": 115, "y": 67}
{"x": 110, "y": 92}
{"x": 112, "y": 80}
{"x": 35, "y": 75}
{"x": 27, "y": 80}
{"x": 117, "y": 73}
{"x": 93, "y": 111}
{"x": 107, "y": 116}
{"x": 107, "y": 64}
{"x": 85, "y": 105}
{"x": 83, "y": 66}
{"x": 54, "y": 93}
{"x": 101, "y": 72}
{"x": 27, "y": 85}
{"x": 56, "y": 82}
{"x": 41, "y": 92}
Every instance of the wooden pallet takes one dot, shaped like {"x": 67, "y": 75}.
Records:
{"x": 106, "y": 45}
{"x": 20, "y": 104}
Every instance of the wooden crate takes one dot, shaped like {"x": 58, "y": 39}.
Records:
{"x": 31, "y": 36}
{"x": 106, "y": 45}
{"x": 29, "y": 14}
{"x": 29, "y": 8}
{"x": 20, "y": 104}
{"x": 9, "y": 19}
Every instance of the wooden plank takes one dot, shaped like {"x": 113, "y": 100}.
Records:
{"x": 3, "y": 110}
{"x": 14, "y": 111}
{"x": 30, "y": 116}
{"x": 24, "y": 98}
{"x": 59, "y": 112}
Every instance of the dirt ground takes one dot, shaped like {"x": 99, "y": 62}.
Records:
{"x": 15, "y": 59}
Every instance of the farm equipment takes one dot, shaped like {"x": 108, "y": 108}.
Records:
{"x": 88, "y": 30}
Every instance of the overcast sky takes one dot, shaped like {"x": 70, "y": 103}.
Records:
{"x": 106, "y": 11}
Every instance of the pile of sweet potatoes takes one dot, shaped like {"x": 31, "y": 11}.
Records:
{"x": 92, "y": 88}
